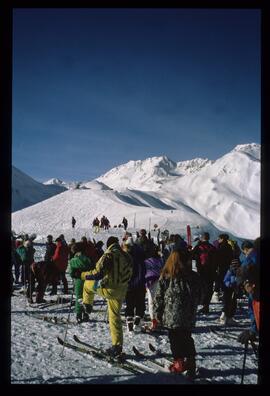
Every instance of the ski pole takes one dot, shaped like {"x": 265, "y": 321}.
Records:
{"x": 65, "y": 336}
{"x": 255, "y": 349}
{"x": 244, "y": 363}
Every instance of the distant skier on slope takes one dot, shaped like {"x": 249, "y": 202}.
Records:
{"x": 73, "y": 222}
{"x": 125, "y": 223}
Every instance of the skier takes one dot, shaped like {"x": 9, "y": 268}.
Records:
{"x": 110, "y": 280}
{"x": 96, "y": 225}
{"x": 99, "y": 249}
{"x": 175, "y": 305}
{"x": 16, "y": 259}
{"x": 145, "y": 243}
{"x": 73, "y": 222}
{"x": 50, "y": 249}
{"x": 248, "y": 274}
{"x": 27, "y": 259}
{"x": 153, "y": 267}
{"x": 106, "y": 223}
{"x": 83, "y": 263}
{"x": 71, "y": 247}
{"x": 174, "y": 242}
{"x": 204, "y": 254}
{"x": 230, "y": 290}
{"x": 135, "y": 297}
{"x": 60, "y": 259}
{"x": 224, "y": 256}
{"x": 125, "y": 223}
{"x": 89, "y": 249}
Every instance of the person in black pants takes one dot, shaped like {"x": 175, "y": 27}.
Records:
{"x": 175, "y": 305}
{"x": 135, "y": 297}
{"x": 204, "y": 254}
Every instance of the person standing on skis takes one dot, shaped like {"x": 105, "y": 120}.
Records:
{"x": 109, "y": 280}
{"x": 175, "y": 305}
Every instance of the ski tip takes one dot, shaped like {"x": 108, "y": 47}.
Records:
{"x": 152, "y": 347}
{"x": 60, "y": 340}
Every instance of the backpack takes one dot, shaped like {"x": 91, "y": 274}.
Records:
{"x": 205, "y": 250}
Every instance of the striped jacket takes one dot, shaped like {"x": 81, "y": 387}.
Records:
{"x": 114, "y": 269}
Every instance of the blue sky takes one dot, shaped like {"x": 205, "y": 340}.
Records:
{"x": 95, "y": 88}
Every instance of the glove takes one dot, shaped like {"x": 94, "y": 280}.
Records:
{"x": 76, "y": 273}
{"x": 246, "y": 336}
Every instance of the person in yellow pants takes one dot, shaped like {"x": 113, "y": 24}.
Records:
{"x": 110, "y": 280}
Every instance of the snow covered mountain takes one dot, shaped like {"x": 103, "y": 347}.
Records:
{"x": 27, "y": 191}
{"x": 214, "y": 196}
{"x": 147, "y": 174}
{"x": 66, "y": 185}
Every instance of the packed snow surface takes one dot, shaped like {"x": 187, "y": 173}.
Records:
{"x": 36, "y": 356}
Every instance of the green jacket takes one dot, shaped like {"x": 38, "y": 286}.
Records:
{"x": 79, "y": 261}
{"x": 114, "y": 269}
{"x": 22, "y": 253}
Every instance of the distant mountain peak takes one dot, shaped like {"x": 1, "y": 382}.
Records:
{"x": 253, "y": 149}
{"x": 54, "y": 181}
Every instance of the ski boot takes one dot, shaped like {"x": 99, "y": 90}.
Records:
{"x": 88, "y": 308}
{"x": 190, "y": 364}
{"x": 137, "y": 324}
{"x": 85, "y": 317}
{"x": 129, "y": 324}
{"x": 115, "y": 352}
{"x": 79, "y": 318}
{"x": 178, "y": 366}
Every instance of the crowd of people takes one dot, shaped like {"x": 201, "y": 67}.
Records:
{"x": 135, "y": 269}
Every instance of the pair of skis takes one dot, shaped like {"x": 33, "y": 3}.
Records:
{"x": 98, "y": 353}
{"x": 126, "y": 364}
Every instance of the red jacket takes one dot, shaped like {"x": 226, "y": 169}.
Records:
{"x": 60, "y": 256}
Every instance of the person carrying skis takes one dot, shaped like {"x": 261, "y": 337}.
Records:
{"x": 83, "y": 263}
{"x": 175, "y": 305}
{"x": 135, "y": 297}
{"x": 110, "y": 280}
{"x": 204, "y": 254}
{"x": 73, "y": 222}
